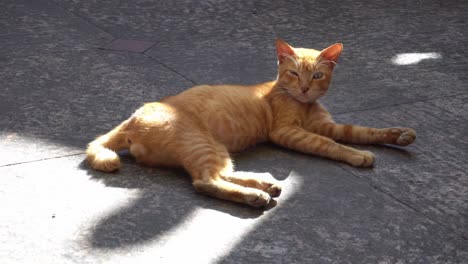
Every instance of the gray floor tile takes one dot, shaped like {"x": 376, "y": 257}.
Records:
{"x": 232, "y": 42}
{"x": 457, "y": 105}
{"x": 431, "y": 174}
{"x": 140, "y": 214}
{"x": 59, "y": 91}
{"x": 251, "y": 60}
{"x": 334, "y": 219}
{"x": 44, "y": 22}
{"x": 55, "y": 102}
{"x": 129, "y": 45}
{"x": 154, "y": 21}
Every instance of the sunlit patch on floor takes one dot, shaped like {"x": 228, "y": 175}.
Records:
{"x": 206, "y": 235}
{"x": 414, "y": 58}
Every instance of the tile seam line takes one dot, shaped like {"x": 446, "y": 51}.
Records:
{"x": 405, "y": 204}
{"x": 43, "y": 159}
{"x": 82, "y": 18}
{"x": 169, "y": 68}
{"x": 152, "y": 46}
{"x": 393, "y": 105}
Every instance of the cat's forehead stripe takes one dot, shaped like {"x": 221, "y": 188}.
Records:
{"x": 307, "y": 64}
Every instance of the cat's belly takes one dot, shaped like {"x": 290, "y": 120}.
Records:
{"x": 238, "y": 133}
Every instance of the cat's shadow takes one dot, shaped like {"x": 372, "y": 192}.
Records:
{"x": 165, "y": 199}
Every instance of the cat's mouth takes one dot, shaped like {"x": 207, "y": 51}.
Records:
{"x": 305, "y": 98}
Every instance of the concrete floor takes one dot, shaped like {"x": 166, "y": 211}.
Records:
{"x": 63, "y": 83}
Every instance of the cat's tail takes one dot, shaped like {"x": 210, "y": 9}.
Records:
{"x": 101, "y": 153}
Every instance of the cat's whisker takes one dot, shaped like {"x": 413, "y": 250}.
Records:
{"x": 323, "y": 63}
{"x": 291, "y": 58}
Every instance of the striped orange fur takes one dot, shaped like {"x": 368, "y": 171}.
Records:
{"x": 199, "y": 128}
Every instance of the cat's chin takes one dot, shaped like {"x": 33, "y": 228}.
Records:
{"x": 305, "y": 99}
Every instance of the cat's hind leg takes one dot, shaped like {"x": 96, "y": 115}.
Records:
{"x": 261, "y": 181}
{"x": 226, "y": 190}
{"x": 207, "y": 160}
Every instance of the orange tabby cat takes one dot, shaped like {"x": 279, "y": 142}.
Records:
{"x": 198, "y": 128}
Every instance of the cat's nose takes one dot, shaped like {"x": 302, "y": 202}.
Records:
{"x": 304, "y": 89}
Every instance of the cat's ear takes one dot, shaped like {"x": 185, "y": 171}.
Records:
{"x": 283, "y": 50}
{"x": 332, "y": 53}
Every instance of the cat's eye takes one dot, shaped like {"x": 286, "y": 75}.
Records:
{"x": 293, "y": 73}
{"x": 317, "y": 75}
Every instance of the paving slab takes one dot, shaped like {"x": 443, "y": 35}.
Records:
{"x": 129, "y": 45}
{"x": 373, "y": 33}
{"x": 456, "y": 105}
{"x": 252, "y": 60}
{"x": 59, "y": 90}
{"x": 430, "y": 175}
{"x": 55, "y": 102}
{"x": 45, "y": 22}
{"x": 154, "y": 21}
{"x": 59, "y": 211}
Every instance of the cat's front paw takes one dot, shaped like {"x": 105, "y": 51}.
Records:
{"x": 362, "y": 159}
{"x": 400, "y": 136}
{"x": 407, "y": 136}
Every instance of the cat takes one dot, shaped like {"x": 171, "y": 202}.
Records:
{"x": 198, "y": 128}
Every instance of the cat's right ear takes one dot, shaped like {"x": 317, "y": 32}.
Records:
{"x": 283, "y": 50}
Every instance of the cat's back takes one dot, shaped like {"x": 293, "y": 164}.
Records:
{"x": 207, "y": 98}
{"x": 236, "y": 115}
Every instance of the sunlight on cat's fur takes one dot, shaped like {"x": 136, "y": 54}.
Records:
{"x": 198, "y": 128}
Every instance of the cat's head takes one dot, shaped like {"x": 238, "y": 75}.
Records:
{"x": 306, "y": 73}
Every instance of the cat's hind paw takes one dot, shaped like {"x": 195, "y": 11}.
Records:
{"x": 259, "y": 199}
{"x": 362, "y": 159}
{"x": 274, "y": 190}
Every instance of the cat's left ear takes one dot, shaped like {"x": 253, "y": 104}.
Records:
{"x": 332, "y": 53}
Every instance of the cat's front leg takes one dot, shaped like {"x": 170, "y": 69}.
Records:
{"x": 296, "y": 138}
{"x": 364, "y": 135}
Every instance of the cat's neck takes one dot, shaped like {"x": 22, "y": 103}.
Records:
{"x": 272, "y": 89}
{"x": 273, "y": 92}
{"x": 267, "y": 89}
{"x": 276, "y": 93}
